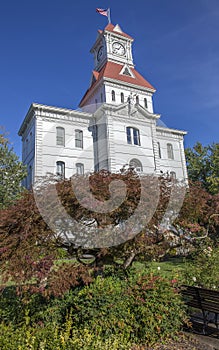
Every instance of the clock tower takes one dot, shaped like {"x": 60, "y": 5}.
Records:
{"x": 115, "y": 126}
{"x": 112, "y": 45}
{"x": 114, "y": 78}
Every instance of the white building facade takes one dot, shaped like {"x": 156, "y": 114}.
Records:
{"x": 114, "y": 127}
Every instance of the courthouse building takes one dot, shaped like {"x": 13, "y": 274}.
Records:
{"x": 114, "y": 127}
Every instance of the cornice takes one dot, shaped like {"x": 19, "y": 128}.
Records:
{"x": 120, "y": 82}
{"x": 61, "y": 113}
{"x": 118, "y": 35}
{"x": 171, "y": 131}
{"x": 115, "y": 83}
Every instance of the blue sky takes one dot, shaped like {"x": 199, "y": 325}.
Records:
{"x": 45, "y": 58}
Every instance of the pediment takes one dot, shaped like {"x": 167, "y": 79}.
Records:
{"x": 135, "y": 111}
{"x": 126, "y": 110}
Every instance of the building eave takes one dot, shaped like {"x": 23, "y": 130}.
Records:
{"x": 123, "y": 83}
{"x": 34, "y": 107}
{"x": 172, "y": 131}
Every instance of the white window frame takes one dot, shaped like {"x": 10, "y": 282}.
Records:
{"x": 122, "y": 97}
{"x": 113, "y": 94}
{"x": 78, "y": 138}
{"x": 136, "y": 165}
{"x": 79, "y": 168}
{"x": 60, "y": 169}
{"x": 133, "y": 136}
{"x": 60, "y": 136}
{"x": 170, "y": 154}
{"x": 159, "y": 150}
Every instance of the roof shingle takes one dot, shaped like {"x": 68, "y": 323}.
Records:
{"x": 112, "y": 70}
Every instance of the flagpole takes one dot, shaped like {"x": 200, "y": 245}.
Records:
{"x": 109, "y": 15}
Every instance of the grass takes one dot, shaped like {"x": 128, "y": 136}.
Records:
{"x": 170, "y": 269}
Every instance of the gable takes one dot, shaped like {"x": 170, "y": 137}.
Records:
{"x": 129, "y": 111}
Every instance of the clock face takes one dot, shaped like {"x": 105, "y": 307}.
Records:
{"x": 100, "y": 53}
{"x": 118, "y": 48}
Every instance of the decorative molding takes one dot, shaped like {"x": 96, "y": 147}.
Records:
{"x": 119, "y": 82}
{"x": 167, "y": 131}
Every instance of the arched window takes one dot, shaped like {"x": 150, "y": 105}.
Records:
{"x": 133, "y": 136}
{"x": 79, "y": 168}
{"x": 60, "y": 136}
{"x": 60, "y": 169}
{"x": 79, "y": 138}
{"x": 113, "y": 95}
{"x": 136, "y": 165}
{"x": 137, "y": 100}
{"x": 159, "y": 150}
{"x": 145, "y": 103}
{"x": 170, "y": 151}
{"x": 122, "y": 97}
{"x": 173, "y": 175}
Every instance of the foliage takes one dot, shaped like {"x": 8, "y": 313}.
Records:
{"x": 203, "y": 165}
{"x": 29, "y": 248}
{"x": 157, "y": 307}
{"x": 12, "y": 172}
{"x": 203, "y": 270}
{"x": 110, "y": 313}
{"x": 52, "y": 337}
{"x": 199, "y": 214}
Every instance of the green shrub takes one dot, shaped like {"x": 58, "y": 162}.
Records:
{"x": 104, "y": 308}
{"x": 66, "y": 337}
{"x": 158, "y": 309}
{"x": 203, "y": 270}
{"x": 111, "y": 313}
{"x": 14, "y": 305}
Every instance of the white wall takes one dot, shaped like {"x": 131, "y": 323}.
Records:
{"x": 28, "y": 153}
{"x": 127, "y": 91}
{"x": 178, "y": 164}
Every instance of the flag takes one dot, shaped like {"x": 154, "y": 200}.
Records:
{"x": 104, "y": 12}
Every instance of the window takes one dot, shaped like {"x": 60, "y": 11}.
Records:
{"x": 122, "y": 97}
{"x": 133, "y": 136}
{"x": 60, "y": 136}
{"x": 145, "y": 102}
{"x": 170, "y": 151}
{"x": 136, "y": 165}
{"x": 30, "y": 176}
{"x": 173, "y": 175}
{"x": 31, "y": 140}
{"x": 79, "y": 138}
{"x": 113, "y": 95}
{"x": 159, "y": 150}
{"x": 27, "y": 146}
{"x": 126, "y": 72}
{"x": 128, "y": 132}
{"x": 60, "y": 169}
{"x": 137, "y": 100}
{"x": 79, "y": 168}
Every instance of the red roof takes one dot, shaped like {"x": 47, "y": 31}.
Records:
{"x": 112, "y": 70}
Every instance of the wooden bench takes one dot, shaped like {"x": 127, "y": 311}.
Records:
{"x": 207, "y": 301}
